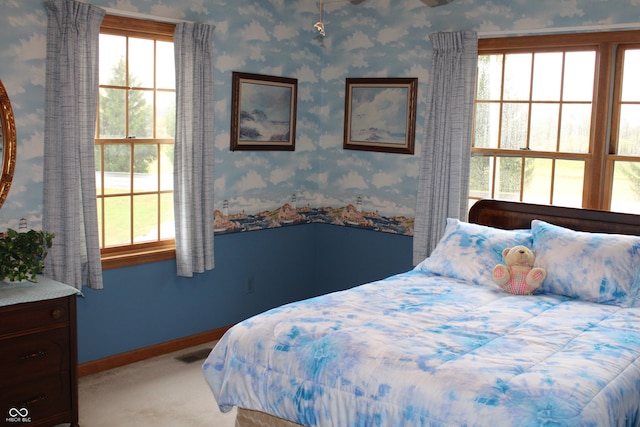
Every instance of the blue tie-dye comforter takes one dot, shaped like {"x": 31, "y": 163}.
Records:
{"x": 420, "y": 350}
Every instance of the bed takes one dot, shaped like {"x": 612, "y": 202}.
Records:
{"x": 443, "y": 345}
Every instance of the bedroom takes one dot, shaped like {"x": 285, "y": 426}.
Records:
{"x": 146, "y": 305}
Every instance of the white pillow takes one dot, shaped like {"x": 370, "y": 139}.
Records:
{"x": 597, "y": 267}
{"x": 470, "y": 251}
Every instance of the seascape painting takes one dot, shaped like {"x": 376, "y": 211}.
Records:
{"x": 264, "y": 112}
{"x": 379, "y": 114}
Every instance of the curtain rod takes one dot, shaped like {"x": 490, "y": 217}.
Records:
{"x": 586, "y": 28}
{"x": 129, "y": 14}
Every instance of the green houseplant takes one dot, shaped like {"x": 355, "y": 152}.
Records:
{"x": 22, "y": 254}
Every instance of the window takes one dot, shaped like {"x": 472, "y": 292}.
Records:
{"x": 134, "y": 141}
{"x": 556, "y": 121}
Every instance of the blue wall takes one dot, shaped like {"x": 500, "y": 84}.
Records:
{"x": 145, "y": 305}
{"x": 347, "y": 256}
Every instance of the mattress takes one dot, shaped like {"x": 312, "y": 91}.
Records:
{"x": 417, "y": 349}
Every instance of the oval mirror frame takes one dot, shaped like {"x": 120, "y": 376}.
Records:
{"x": 7, "y": 143}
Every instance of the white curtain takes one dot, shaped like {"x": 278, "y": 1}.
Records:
{"x": 194, "y": 149}
{"x": 443, "y": 182}
{"x": 70, "y": 210}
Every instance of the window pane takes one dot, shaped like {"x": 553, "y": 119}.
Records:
{"x": 100, "y": 236}
{"x": 165, "y": 114}
{"x": 568, "y": 183}
{"x": 145, "y": 218}
{"x": 113, "y": 50}
{"x": 544, "y": 127}
{"x": 579, "y": 70}
{"x": 547, "y": 75}
{"x": 486, "y": 125}
{"x": 140, "y": 114}
{"x": 629, "y": 132}
{"x": 96, "y": 152}
{"x": 514, "y": 126}
{"x": 625, "y": 196}
{"x": 480, "y": 176}
{"x": 167, "y": 228}
{"x": 576, "y": 128}
{"x": 517, "y": 76}
{"x": 141, "y": 62}
{"x": 508, "y": 174}
{"x": 166, "y": 167}
{"x": 537, "y": 181}
{"x": 117, "y": 164}
{"x": 631, "y": 71}
{"x": 166, "y": 70}
{"x": 145, "y": 168}
{"x": 117, "y": 211}
{"x": 112, "y": 113}
{"x": 489, "y": 77}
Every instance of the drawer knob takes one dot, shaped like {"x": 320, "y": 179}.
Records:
{"x": 34, "y": 400}
{"x": 33, "y": 355}
{"x": 56, "y": 313}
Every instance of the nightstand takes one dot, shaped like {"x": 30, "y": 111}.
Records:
{"x": 38, "y": 354}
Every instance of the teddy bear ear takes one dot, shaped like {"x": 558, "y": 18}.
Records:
{"x": 505, "y": 251}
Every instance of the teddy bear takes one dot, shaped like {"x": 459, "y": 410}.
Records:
{"x": 518, "y": 276}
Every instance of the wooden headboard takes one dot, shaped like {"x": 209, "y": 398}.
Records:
{"x": 513, "y": 215}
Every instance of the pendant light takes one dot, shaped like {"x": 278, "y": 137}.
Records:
{"x": 320, "y": 25}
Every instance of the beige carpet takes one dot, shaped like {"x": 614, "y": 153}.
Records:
{"x": 157, "y": 392}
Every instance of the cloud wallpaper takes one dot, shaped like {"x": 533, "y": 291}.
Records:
{"x": 319, "y": 181}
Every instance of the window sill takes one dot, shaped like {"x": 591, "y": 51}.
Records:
{"x": 125, "y": 258}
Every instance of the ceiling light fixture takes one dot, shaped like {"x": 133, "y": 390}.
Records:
{"x": 436, "y": 3}
{"x": 320, "y": 25}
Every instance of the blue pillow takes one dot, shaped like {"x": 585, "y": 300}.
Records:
{"x": 596, "y": 267}
{"x": 470, "y": 251}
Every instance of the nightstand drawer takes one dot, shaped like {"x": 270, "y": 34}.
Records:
{"x": 38, "y": 354}
{"x": 42, "y": 398}
{"x": 20, "y": 317}
{"x": 34, "y": 355}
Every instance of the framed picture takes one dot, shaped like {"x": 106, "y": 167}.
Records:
{"x": 380, "y": 114}
{"x": 263, "y": 112}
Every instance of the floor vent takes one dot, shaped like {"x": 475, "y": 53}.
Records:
{"x": 195, "y": 356}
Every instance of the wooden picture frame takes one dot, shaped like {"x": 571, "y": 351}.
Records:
{"x": 380, "y": 114}
{"x": 263, "y": 112}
